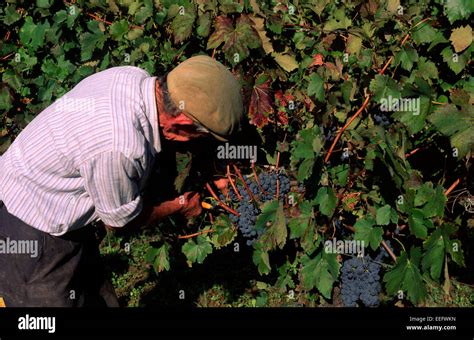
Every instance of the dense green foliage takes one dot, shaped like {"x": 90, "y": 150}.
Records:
{"x": 306, "y": 67}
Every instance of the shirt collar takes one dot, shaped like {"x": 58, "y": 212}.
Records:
{"x": 148, "y": 92}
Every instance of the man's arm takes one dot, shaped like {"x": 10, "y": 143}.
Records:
{"x": 188, "y": 205}
{"x": 110, "y": 179}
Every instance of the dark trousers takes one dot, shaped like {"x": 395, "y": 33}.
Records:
{"x": 66, "y": 272}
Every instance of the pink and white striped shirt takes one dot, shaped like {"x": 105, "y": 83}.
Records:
{"x": 85, "y": 157}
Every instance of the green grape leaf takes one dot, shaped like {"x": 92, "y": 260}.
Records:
{"x": 453, "y": 248}
{"x": 305, "y": 169}
{"x": 159, "y": 257}
{"x": 366, "y": 232}
{"x": 316, "y": 87}
{"x": 32, "y": 35}
{"x": 339, "y": 20}
{"x": 238, "y": 41}
{"x": 118, "y": 29}
{"x": 5, "y": 99}
{"x": 144, "y": 12}
{"x": 354, "y": 44}
{"x": 299, "y": 225}
{"x": 418, "y": 223}
{"x": 423, "y": 194}
{"x": 43, "y": 3}
{"x": 261, "y": 260}
{"x": 383, "y": 215}
{"x": 327, "y": 200}
{"x": 433, "y": 259}
{"x": 12, "y": 79}
{"x": 92, "y": 40}
{"x": 348, "y": 89}
{"x": 59, "y": 69}
{"x": 456, "y": 124}
{"x": 456, "y": 62}
{"x": 134, "y": 34}
{"x": 383, "y": 87}
{"x": 273, "y": 221}
{"x": 274, "y": 23}
{"x": 458, "y": 9}
{"x": 320, "y": 272}
{"x": 224, "y": 232}
{"x": 436, "y": 203}
{"x": 415, "y": 120}
{"x": 302, "y": 146}
{"x": 405, "y": 276}
{"x": 230, "y": 6}
{"x": 406, "y": 58}
{"x": 204, "y": 25}
{"x": 11, "y": 15}
{"x": 197, "y": 251}
{"x": 182, "y": 25}
{"x": 427, "y": 69}
{"x": 423, "y": 33}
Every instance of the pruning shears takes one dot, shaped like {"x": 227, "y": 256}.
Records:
{"x": 206, "y": 205}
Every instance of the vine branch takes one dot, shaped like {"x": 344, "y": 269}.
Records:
{"x": 223, "y": 205}
{"x": 196, "y": 234}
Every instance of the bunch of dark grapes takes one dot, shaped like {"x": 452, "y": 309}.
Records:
{"x": 360, "y": 281}
{"x": 269, "y": 185}
{"x": 246, "y": 221}
{"x": 248, "y": 210}
{"x": 381, "y": 119}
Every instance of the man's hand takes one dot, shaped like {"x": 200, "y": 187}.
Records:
{"x": 190, "y": 204}
{"x": 223, "y": 185}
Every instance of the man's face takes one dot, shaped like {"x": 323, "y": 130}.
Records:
{"x": 180, "y": 128}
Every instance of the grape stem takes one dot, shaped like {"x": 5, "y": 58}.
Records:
{"x": 196, "y": 234}
{"x": 97, "y": 18}
{"x": 237, "y": 171}
{"x": 382, "y": 71}
{"x": 7, "y": 56}
{"x": 412, "y": 152}
{"x": 252, "y": 165}
{"x": 389, "y": 251}
{"x": 225, "y": 207}
{"x": 338, "y": 136}
{"x": 278, "y": 179}
{"x": 451, "y": 188}
{"x": 229, "y": 177}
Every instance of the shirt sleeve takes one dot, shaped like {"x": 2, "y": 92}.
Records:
{"x": 111, "y": 180}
